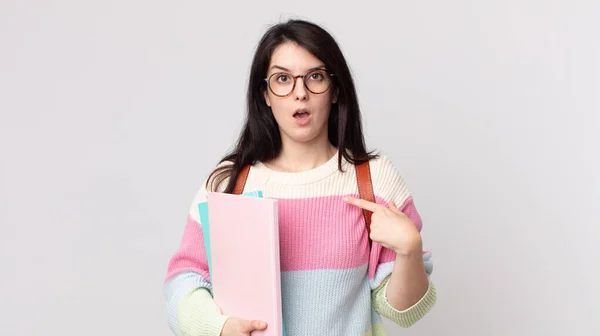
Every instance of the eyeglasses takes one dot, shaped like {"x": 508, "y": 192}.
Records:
{"x": 283, "y": 83}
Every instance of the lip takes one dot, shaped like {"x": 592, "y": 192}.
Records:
{"x": 301, "y": 110}
{"x": 301, "y": 121}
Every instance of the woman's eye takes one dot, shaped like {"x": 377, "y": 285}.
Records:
{"x": 316, "y": 76}
{"x": 283, "y": 78}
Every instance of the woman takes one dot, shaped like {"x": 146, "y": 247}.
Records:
{"x": 302, "y": 141}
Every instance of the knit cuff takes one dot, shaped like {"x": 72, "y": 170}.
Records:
{"x": 199, "y": 315}
{"x": 408, "y": 317}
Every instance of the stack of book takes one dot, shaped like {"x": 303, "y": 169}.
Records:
{"x": 241, "y": 237}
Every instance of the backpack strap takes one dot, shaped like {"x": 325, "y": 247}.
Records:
{"x": 241, "y": 180}
{"x": 365, "y": 189}
{"x": 363, "y": 180}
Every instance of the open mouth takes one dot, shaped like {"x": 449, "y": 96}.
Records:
{"x": 302, "y": 117}
{"x": 301, "y": 113}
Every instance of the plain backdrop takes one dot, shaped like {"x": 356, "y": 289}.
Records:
{"x": 113, "y": 112}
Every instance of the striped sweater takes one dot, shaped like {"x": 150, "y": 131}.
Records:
{"x": 332, "y": 282}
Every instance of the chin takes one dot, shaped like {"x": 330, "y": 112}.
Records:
{"x": 302, "y": 135}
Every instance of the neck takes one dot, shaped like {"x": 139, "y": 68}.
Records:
{"x": 303, "y": 156}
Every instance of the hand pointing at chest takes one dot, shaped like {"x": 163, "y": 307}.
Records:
{"x": 390, "y": 227}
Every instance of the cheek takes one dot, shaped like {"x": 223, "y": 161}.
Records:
{"x": 280, "y": 107}
{"x": 323, "y": 105}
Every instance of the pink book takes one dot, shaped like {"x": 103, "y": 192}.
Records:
{"x": 244, "y": 243}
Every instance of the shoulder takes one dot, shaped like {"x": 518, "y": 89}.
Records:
{"x": 218, "y": 178}
{"x": 388, "y": 181}
{"x": 215, "y": 181}
{"x": 390, "y": 185}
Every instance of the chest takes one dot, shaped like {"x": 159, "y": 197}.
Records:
{"x": 321, "y": 233}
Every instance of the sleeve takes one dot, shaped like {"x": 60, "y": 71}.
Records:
{"x": 388, "y": 186}
{"x": 187, "y": 290}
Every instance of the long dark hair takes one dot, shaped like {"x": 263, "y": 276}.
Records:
{"x": 260, "y": 139}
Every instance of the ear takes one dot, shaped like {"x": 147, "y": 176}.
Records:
{"x": 267, "y": 100}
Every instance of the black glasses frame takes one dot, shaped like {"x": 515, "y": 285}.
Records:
{"x": 294, "y": 78}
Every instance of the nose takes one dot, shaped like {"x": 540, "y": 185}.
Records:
{"x": 300, "y": 92}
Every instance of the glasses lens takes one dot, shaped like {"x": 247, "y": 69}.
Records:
{"x": 317, "y": 81}
{"x": 281, "y": 83}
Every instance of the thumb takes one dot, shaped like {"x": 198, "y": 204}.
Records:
{"x": 249, "y": 326}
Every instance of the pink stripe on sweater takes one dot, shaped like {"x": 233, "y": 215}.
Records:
{"x": 409, "y": 209}
{"x": 335, "y": 230}
{"x": 321, "y": 233}
{"x": 191, "y": 255}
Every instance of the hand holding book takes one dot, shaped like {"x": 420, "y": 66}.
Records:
{"x": 239, "y": 327}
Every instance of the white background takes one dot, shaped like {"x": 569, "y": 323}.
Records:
{"x": 490, "y": 109}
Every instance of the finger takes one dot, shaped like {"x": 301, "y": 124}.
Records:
{"x": 259, "y": 325}
{"x": 394, "y": 207}
{"x": 363, "y": 204}
{"x": 247, "y": 326}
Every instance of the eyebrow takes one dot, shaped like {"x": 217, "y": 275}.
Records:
{"x": 288, "y": 70}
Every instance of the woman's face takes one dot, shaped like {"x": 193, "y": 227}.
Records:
{"x": 302, "y": 115}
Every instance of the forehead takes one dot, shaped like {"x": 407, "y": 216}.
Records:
{"x": 294, "y": 57}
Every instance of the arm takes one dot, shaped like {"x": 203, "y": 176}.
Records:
{"x": 187, "y": 289}
{"x": 408, "y": 282}
{"x": 194, "y": 312}
{"x": 414, "y": 308}
{"x": 399, "y": 271}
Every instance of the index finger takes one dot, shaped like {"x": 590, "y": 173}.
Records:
{"x": 363, "y": 204}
